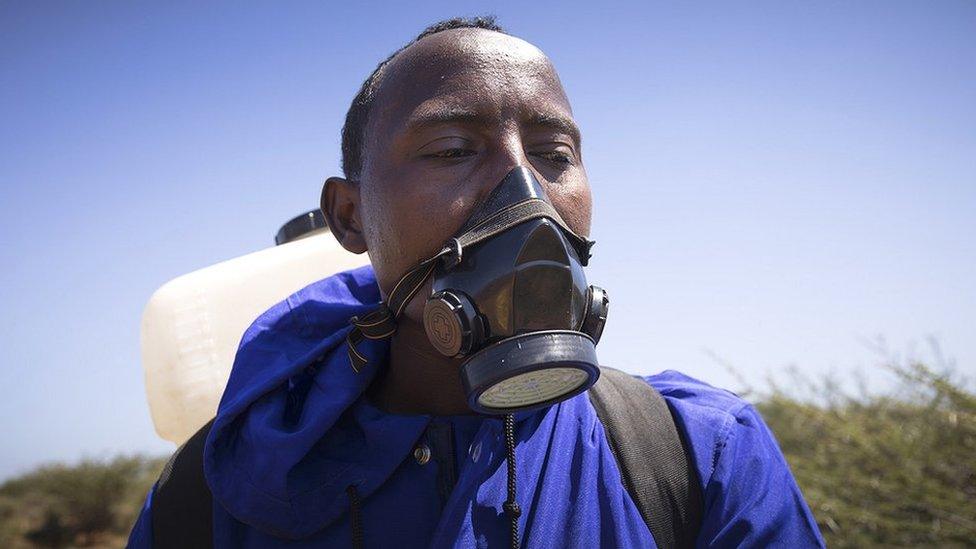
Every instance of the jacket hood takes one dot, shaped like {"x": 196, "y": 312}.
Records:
{"x": 266, "y": 458}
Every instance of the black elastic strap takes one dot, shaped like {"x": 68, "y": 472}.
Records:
{"x": 182, "y": 506}
{"x": 652, "y": 457}
{"x": 381, "y": 322}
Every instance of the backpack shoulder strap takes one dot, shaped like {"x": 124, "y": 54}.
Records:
{"x": 182, "y": 506}
{"x": 652, "y": 456}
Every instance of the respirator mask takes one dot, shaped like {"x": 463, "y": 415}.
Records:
{"x": 509, "y": 297}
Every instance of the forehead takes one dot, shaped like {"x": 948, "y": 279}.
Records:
{"x": 491, "y": 73}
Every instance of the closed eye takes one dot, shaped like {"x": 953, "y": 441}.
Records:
{"x": 558, "y": 153}
{"x": 555, "y": 156}
{"x": 450, "y": 153}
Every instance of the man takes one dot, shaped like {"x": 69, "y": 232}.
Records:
{"x": 331, "y": 435}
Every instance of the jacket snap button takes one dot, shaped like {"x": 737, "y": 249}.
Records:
{"x": 421, "y": 454}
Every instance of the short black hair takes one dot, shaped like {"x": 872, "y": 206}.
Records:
{"x": 354, "y": 129}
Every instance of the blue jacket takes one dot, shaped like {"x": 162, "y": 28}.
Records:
{"x": 292, "y": 433}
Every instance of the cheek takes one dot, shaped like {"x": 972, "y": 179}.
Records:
{"x": 403, "y": 224}
{"x": 387, "y": 228}
{"x": 574, "y": 202}
{"x": 585, "y": 207}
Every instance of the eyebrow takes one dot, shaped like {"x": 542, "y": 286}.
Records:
{"x": 435, "y": 117}
{"x": 439, "y": 116}
{"x": 556, "y": 122}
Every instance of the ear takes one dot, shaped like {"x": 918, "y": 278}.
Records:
{"x": 340, "y": 205}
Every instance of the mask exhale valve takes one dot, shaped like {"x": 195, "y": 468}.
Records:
{"x": 509, "y": 296}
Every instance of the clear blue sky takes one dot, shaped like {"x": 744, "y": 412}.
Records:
{"x": 774, "y": 182}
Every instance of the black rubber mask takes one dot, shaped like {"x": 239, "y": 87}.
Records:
{"x": 509, "y": 296}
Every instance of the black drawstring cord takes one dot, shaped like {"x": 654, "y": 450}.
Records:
{"x": 511, "y": 505}
{"x": 355, "y": 517}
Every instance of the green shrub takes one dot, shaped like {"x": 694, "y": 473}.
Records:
{"x": 93, "y": 503}
{"x": 882, "y": 470}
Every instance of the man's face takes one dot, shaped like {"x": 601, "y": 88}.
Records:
{"x": 454, "y": 113}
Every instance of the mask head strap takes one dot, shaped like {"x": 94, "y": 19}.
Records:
{"x": 381, "y": 322}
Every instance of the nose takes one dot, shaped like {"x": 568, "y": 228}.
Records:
{"x": 505, "y": 155}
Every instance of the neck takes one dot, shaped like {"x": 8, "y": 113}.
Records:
{"x": 418, "y": 379}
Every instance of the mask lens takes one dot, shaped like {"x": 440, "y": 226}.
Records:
{"x": 533, "y": 387}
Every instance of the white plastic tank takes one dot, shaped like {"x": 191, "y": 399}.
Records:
{"x": 193, "y": 324}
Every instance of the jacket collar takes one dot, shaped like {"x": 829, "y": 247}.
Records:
{"x": 267, "y": 459}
